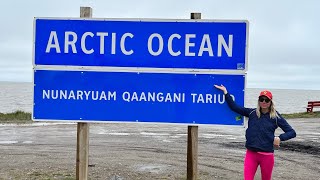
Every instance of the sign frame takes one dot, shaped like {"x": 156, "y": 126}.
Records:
{"x": 143, "y": 69}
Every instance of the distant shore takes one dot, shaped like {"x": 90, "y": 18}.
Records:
{"x": 25, "y": 117}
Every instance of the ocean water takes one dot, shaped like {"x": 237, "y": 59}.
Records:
{"x": 18, "y": 96}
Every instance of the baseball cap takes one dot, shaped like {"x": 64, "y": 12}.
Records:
{"x": 266, "y": 93}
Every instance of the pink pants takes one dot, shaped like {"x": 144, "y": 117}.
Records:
{"x": 253, "y": 160}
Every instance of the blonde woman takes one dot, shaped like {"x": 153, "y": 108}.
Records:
{"x": 260, "y": 134}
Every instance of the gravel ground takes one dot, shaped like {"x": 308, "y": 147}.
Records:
{"x": 148, "y": 151}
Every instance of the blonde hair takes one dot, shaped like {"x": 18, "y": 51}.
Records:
{"x": 272, "y": 111}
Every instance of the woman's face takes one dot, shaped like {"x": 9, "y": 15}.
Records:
{"x": 264, "y": 102}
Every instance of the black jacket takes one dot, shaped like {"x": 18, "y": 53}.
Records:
{"x": 260, "y": 131}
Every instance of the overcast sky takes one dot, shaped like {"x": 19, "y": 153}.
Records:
{"x": 284, "y": 40}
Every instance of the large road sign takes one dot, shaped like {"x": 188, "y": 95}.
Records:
{"x": 142, "y": 43}
{"x": 135, "y": 97}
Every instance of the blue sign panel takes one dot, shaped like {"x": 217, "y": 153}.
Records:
{"x": 142, "y": 43}
{"x": 135, "y": 97}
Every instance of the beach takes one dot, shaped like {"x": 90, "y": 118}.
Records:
{"x": 129, "y": 151}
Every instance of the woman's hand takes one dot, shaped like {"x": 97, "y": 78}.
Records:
{"x": 222, "y": 88}
{"x": 276, "y": 142}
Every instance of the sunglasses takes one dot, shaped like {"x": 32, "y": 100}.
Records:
{"x": 261, "y": 99}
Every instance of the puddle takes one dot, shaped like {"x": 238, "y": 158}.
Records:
{"x": 231, "y": 138}
{"x": 8, "y": 142}
{"x": 307, "y": 147}
{"x": 154, "y": 134}
{"x": 119, "y": 134}
{"x": 175, "y": 137}
{"x": 152, "y": 168}
{"x": 35, "y": 124}
{"x": 215, "y": 135}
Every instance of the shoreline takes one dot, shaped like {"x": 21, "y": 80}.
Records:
{"x": 25, "y": 117}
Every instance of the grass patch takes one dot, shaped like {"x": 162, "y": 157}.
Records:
{"x": 302, "y": 115}
{"x": 15, "y": 117}
{"x": 46, "y": 175}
